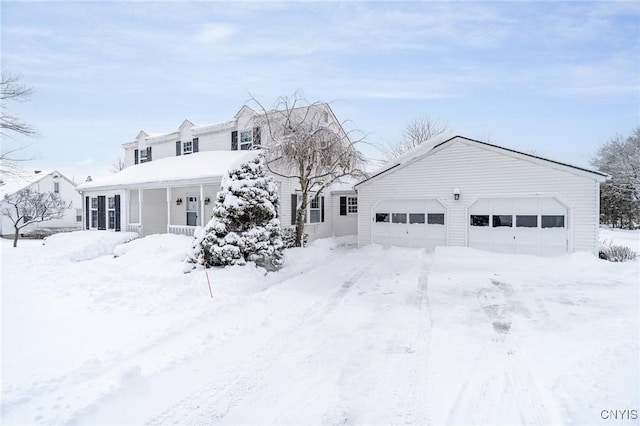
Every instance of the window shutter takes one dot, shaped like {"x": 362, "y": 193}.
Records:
{"x": 86, "y": 213}
{"x": 321, "y": 209}
{"x": 148, "y": 153}
{"x": 135, "y": 156}
{"x": 234, "y": 140}
{"x": 196, "y": 148}
{"x": 117, "y": 199}
{"x": 294, "y": 203}
{"x": 178, "y": 148}
{"x": 102, "y": 220}
{"x": 343, "y": 206}
{"x": 256, "y": 136}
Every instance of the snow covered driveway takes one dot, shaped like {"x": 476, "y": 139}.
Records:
{"x": 340, "y": 335}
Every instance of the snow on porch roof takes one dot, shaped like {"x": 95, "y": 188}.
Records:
{"x": 173, "y": 170}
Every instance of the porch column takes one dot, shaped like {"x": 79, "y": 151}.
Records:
{"x": 168, "y": 208}
{"x": 201, "y": 205}
{"x": 126, "y": 198}
{"x": 140, "y": 208}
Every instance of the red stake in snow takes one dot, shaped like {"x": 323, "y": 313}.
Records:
{"x": 207, "y": 274}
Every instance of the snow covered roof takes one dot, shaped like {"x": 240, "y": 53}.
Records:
{"x": 344, "y": 184}
{"x": 435, "y": 142}
{"x": 10, "y": 184}
{"x": 172, "y": 171}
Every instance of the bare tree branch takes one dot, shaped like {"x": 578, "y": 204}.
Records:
{"x": 304, "y": 141}
{"x": 28, "y": 206}
{"x": 416, "y": 132}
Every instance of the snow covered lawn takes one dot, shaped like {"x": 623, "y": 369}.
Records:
{"x": 339, "y": 335}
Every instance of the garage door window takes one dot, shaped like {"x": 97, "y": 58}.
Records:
{"x": 555, "y": 221}
{"x": 399, "y": 218}
{"x": 435, "y": 218}
{"x": 526, "y": 221}
{"x": 382, "y": 217}
{"x": 416, "y": 217}
{"x": 479, "y": 220}
{"x": 501, "y": 220}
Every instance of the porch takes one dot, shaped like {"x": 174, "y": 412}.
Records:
{"x": 173, "y": 209}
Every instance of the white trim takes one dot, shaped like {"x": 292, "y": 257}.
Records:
{"x": 201, "y": 212}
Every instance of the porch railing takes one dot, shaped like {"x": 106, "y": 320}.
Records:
{"x": 135, "y": 227}
{"x": 181, "y": 230}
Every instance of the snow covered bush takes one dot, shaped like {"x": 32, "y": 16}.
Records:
{"x": 289, "y": 237}
{"x": 615, "y": 253}
{"x": 244, "y": 225}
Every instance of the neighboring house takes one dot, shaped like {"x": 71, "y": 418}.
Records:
{"x": 170, "y": 182}
{"x": 456, "y": 191}
{"x": 44, "y": 181}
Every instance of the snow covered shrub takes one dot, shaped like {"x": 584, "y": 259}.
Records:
{"x": 244, "y": 225}
{"x": 289, "y": 237}
{"x": 614, "y": 253}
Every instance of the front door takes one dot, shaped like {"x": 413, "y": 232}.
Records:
{"x": 193, "y": 211}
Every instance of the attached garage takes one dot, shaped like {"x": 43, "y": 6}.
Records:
{"x": 535, "y": 225}
{"x": 410, "y": 223}
{"x": 456, "y": 191}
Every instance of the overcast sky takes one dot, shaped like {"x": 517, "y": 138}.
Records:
{"x": 555, "y": 78}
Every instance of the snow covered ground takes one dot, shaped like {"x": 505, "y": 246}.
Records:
{"x": 339, "y": 336}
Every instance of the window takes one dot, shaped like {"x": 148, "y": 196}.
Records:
{"x": 111, "y": 212}
{"x": 143, "y": 156}
{"x": 187, "y": 147}
{"x": 435, "y": 218}
{"x": 352, "y": 205}
{"x": 382, "y": 217}
{"x": 552, "y": 221}
{"x": 527, "y": 221}
{"x": 94, "y": 212}
{"x": 502, "y": 220}
{"x": 479, "y": 220}
{"x": 314, "y": 210}
{"x": 78, "y": 215}
{"x": 56, "y": 187}
{"x": 416, "y": 217}
{"x": 246, "y": 140}
{"x": 398, "y": 217}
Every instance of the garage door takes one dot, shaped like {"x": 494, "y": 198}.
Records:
{"x": 518, "y": 225}
{"x": 410, "y": 223}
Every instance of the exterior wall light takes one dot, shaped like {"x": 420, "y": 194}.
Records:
{"x": 456, "y": 194}
{"x": 179, "y": 201}
{"x": 207, "y": 200}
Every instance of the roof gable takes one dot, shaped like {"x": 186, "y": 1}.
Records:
{"x": 441, "y": 142}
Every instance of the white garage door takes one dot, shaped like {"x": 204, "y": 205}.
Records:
{"x": 518, "y": 225}
{"x": 410, "y": 223}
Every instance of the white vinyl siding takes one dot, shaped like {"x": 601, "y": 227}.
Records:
{"x": 342, "y": 224}
{"x": 483, "y": 172}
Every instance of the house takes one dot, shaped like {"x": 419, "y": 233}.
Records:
{"x": 43, "y": 181}
{"x": 456, "y": 191}
{"x": 170, "y": 181}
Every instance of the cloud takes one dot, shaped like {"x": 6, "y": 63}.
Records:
{"x": 214, "y": 32}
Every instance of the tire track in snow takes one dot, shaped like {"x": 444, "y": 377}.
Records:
{"x": 212, "y": 403}
{"x": 502, "y": 387}
{"x": 100, "y": 378}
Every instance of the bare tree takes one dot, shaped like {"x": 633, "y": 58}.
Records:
{"x": 28, "y": 206}
{"x": 304, "y": 141}
{"x": 620, "y": 196}
{"x": 12, "y": 90}
{"x": 118, "y": 164}
{"x": 416, "y": 132}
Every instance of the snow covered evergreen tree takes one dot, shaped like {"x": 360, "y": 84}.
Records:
{"x": 244, "y": 225}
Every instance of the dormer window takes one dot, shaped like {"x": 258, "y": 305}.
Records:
{"x": 187, "y": 147}
{"x": 144, "y": 157}
{"x": 246, "y": 140}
